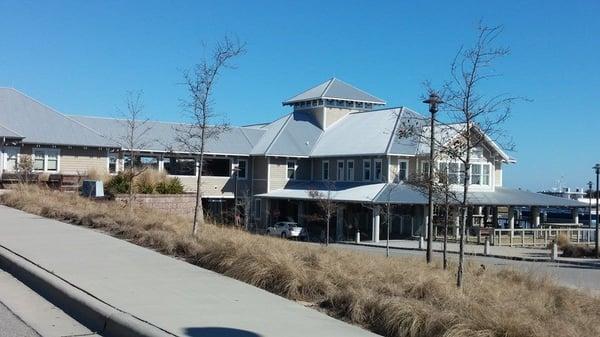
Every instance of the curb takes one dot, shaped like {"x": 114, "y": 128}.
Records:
{"x": 96, "y": 315}
{"x": 504, "y": 257}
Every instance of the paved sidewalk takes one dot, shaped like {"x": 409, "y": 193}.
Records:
{"x": 512, "y": 253}
{"x": 178, "y": 297}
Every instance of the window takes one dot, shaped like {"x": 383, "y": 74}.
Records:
{"x": 367, "y": 169}
{"x": 177, "y": 166}
{"x": 350, "y": 170}
{"x": 216, "y": 167}
{"x": 325, "y": 170}
{"x": 425, "y": 168}
{"x": 477, "y": 152}
{"x": 45, "y": 159}
{"x": 291, "y": 169}
{"x": 141, "y": 161}
{"x": 257, "y": 208}
{"x": 340, "y": 170}
{"x": 112, "y": 163}
{"x": 38, "y": 161}
{"x": 456, "y": 173}
{"x": 12, "y": 159}
{"x": 403, "y": 169}
{"x": 242, "y": 169}
{"x": 378, "y": 173}
{"x": 480, "y": 174}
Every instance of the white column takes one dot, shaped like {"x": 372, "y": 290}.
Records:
{"x": 457, "y": 223}
{"x": 376, "y": 222}
{"x": 575, "y": 214}
{"x": 425, "y": 227}
{"x": 535, "y": 214}
{"x": 511, "y": 222}
{"x": 339, "y": 224}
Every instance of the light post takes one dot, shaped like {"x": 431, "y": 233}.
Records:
{"x": 590, "y": 185}
{"x": 597, "y": 169}
{"x": 434, "y": 100}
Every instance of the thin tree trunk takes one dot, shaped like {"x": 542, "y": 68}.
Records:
{"x": 430, "y": 195}
{"x": 446, "y": 233}
{"x": 463, "y": 224}
{"x": 198, "y": 210}
{"x": 327, "y": 229}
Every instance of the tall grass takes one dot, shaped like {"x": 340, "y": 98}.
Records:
{"x": 392, "y": 297}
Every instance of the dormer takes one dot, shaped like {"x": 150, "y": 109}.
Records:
{"x": 331, "y": 100}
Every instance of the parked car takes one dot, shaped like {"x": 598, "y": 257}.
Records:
{"x": 287, "y": 229}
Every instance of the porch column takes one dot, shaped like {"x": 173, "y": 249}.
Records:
{"x": 339, "y": 224}
{"x": 511, "y": 221}
{"x": 375, "y": 223}
{"x": 575, "y": 215}
{"x": 266, "y": 213}
{"x": 535, "y": 216}
{"x": 300, "y": 218}
{"x": 495, "y": 216}
{"x": 457, "y": 223}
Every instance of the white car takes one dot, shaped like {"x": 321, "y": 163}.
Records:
{"x": 287, "y": 229}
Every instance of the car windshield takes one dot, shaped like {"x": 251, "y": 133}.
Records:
{"x": 294, "y": 225}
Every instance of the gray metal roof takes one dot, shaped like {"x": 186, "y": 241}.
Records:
{"x": 8, "y": 133}
{"x": 335, "y": 89}
{"x": 405, "y": 194}
{"x": 162, "y": 136}
{"x": 40, "y": 124}
{"x": 366, "y": 133}
{"x": 501, "y": 196}
{"x": 294, "y": 135}
{"x": 342, "y": 191}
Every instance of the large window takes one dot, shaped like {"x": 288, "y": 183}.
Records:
{"x": 340, "y": 170}
{"x": 112, "y": 163}
{"x": 378, "y": 172}
{"x": 350, "y": 170}
{"x": 479, "y": 173}
{"x": 291, "y": 169}
{"x": 242, "y": 172}
{"x": 12, "y": 158}
{"x": 456, "y": 173}
{"x": 45, "y": 160}
{"x": 177, "y": 166}
{"x": 325, "y": 170}
{"x": 402, "y": 169}
{"x": 141, "y": 161}
{"x": 216, "y": 167}
{"x": 367, "y": 169}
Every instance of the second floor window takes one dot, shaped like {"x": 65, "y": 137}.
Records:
{"x": 402, "y": 169}
{"x": 350, "y": 170}
{"x": 340, "y": 170}
{"x": 366, "y": 170}
{"x": 291, "y": 169}
{"x": 325, "y": 170}
{"x": 378, "y": 173}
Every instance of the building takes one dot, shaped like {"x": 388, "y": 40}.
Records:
{"x": 338, "y": 140}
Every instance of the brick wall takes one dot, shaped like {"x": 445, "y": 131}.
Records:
{"x": 182, "y": 204}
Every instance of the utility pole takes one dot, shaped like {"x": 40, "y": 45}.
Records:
{"x": 433, "y": 102}
{"x": 597, "y": 169}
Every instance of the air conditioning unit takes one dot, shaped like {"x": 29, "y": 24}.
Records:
{"x": 92, "y": 189}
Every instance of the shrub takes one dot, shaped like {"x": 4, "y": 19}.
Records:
{"x": 170, "y": 186}
{"x": 118, "y": 184}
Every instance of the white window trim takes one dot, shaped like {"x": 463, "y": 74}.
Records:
{"x": 491, "y": 178}
{"x": 348, "y": 176}
{"x": 112, "y": 155}
{"x": 365, "y": 161}
{"x": 287, "y": 168}
{"x": 246, "y": 173}
{"x": 375, "y": 161}
{"x": 407, "y": 169}
{"x": 323, "y": 170}
{"x": 337, "y": 170}
{"x": 46, "y": 150}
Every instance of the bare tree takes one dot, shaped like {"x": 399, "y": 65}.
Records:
{"x": 135, "y": 137}
{"x": 25, "y": 169}
{"x": 475, "y": 117}
{"x": 326, "y": 203}
{"x": 199, "y": 108}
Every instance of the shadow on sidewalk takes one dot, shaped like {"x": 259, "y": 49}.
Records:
{"x": 218, "y": 332}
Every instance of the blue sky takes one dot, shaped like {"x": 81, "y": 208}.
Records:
{"x": 80, "y": 57}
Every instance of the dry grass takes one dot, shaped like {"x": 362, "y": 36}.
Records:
{"x": 392, "y": 297}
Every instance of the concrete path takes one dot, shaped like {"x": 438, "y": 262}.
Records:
{"x": 173, "y": 295}
{"x": 516, "y": 253}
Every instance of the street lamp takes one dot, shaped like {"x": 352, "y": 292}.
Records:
{"x": 434, "y": 100}
{"x": 590, "y": 184}
{"x": 597, "y": 169}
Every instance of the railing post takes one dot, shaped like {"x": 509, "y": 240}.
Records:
{"x": 523, "y": 237}
{"x": 545, "y": 236}
{"x": 533, "y": 237}
{"x": 499, "y": 238}
{"x": 554, "y": 251}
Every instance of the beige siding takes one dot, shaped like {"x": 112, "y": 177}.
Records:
{"x": 498, "y": 174}
{"x": 73, "y": 161}
{"x": 335, "y": 114}
{"x": 278, "y": 173}
{"x": 393, "y": 166}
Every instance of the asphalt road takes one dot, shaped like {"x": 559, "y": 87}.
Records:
{"x": 582, "y": 277}
{"x": 13, "y": 326}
